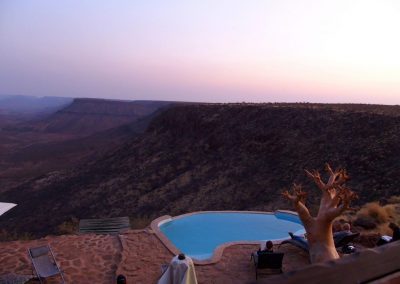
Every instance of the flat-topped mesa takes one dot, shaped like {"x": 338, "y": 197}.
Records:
{"x": 336, "y": 198}
{"x": 87, "y": 116}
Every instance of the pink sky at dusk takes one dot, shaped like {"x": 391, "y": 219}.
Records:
{"x": 214, "y": 51}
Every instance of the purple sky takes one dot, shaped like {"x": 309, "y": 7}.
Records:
{"x": 208, "y": 50}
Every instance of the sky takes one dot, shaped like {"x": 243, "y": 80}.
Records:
{"x": 336, "y": 51}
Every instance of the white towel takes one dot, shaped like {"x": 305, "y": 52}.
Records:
{"x": 386, "y": 238}
{"x": 4, "y": 207}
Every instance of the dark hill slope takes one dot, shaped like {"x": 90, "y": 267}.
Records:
{"x": 87, "y": 116}
{"x": 216, "y": 157}
{"x": 29, "y": 107}
{"x": 82, "y": 147}
{"x": 33, "y": 148}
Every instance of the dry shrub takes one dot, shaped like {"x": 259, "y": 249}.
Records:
{"x": 26, "y": 237}
{"x": 365, "y": 221}
{"x": 6, "y": 236}
{"x": 394, "y": 200}
{"x": 373, "y": 216}
{"x": 69, "y": 227}
{"x": 381, "y": 214}
{"x": 391, "y": 211}
{"x": 383, "y": 229}
{"x": 140, "y": 222}
{"x": 396, "y": 214}
{"x": 12, "y": 236}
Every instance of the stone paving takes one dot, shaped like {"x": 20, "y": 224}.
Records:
{"x": 137, "y": 254}
{"x": 83, "y": 258}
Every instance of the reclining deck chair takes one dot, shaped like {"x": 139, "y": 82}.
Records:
{"x": 341, "y": 239}
{"x": 44, "y": 263}
{"x": 302, "y": 244}
{"x": 270, "y": 262}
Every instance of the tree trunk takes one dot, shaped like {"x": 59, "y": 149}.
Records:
{"x": 335, "y": 200}
{"x": 320, "y": 241}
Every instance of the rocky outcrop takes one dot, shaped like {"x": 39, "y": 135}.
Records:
{"x": 87, "y": 116}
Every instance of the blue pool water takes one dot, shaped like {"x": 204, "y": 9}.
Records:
{"x": 200, "y": 234}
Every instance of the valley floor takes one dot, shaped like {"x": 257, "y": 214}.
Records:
{"x": 137, "y": 254}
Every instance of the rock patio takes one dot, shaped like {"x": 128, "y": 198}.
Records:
{"x": 137, "y": 254}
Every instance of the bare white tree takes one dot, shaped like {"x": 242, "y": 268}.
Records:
{"x": 335, "y": 199}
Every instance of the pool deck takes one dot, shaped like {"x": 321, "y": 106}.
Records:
{"x": 155, "y": 226}
{"x": 137, "y": 254}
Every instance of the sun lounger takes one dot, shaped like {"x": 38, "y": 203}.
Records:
{"x": 297, "y": 241}
{"x": 44, "y": 263}
{"x": 341, "y": 239}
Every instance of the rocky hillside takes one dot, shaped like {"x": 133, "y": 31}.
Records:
{"x": 87, "y": 116}
{"x": 217, "y": 157}
{"x": 80, "y": 132}
{"x": 29, "y": 107}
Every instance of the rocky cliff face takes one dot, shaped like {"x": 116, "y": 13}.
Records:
{"x": 79, "y": 132}
{"x": 87, "y": 116}
{"x": 217, "y": 157}
{"x": 28, "y": 107}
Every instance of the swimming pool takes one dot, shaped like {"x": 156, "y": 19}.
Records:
{"x": 200, "y": 234}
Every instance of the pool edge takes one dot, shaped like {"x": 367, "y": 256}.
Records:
{"x": 217, "y": 255}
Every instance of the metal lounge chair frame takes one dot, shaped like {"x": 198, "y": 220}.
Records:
{"x": 268, "y": 260}
{"x": 344, "y": 239}
{"x": 297, "y": 243}
{"x": 340, "y": 241}
{"x": 44, "y": 263}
